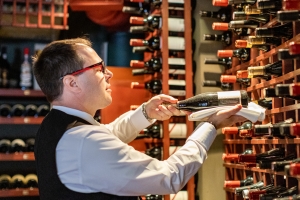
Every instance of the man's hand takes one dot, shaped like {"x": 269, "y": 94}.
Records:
{"x": 156, "y": 110}
{"x": 226, "y": 118}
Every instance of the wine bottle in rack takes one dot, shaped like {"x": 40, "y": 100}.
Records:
{"x": 281, "y": 92}
{"x": 18, "y": 145}
{"x": 154, "y": 152}
{"x": 212, "y": 99}
{"x": 264, "y": 102}
{"x": 213, "y": 83}
{"x": 29, "y": 144}
{"x": 136, "y": 10}
{"x": 288, "y": 90}
{"x": 247, "y": 44}
{"x": 294, "y": 169}
{"x": 291, "y": 5}
{"x": 235, "y": 156}
{"x": 280, "y": 31}
{"x": 30, "y": 110}
{"x": 294, "y": 48}
{"x": 4, "y": 69}
{"x": 225, "y": 3}
{"x": 284, "y": 54}
{"x": 226, "y": 62}
{"x": 289, "y": 130}
{"x": 156, "y": 3}
{"x": 242, "y": 54}
{"x": 243, "y": 24}
{"x": 288, "y": 16}
{"x": 154, "y": 43}
{"x": 42, "y": 110}
{"x": 5, "y": 146}
{"x": 26, "y": 74}
{"x": 238, "y": 191}
{"x": 153, "y": 197}
{"x": 31, "y": 181}
{"x": 279, "y": 165}
{"x": 290, "y": 193}
{"x": 245, "y": 130}
{"x": 17, "y": 110}
{"x": 17, "y": 181}
{"x": 217, "y": 26}
{"x": 267, "y": 164}
{"x": 245, "y": 82}
{"x": 223, "y": 14}
{"x": 176, "y": 131}
{"x": 5, "y": 110}
{"x": 268, "y": 189}
{"x": 239, "y": 183}
{"x": 271, "y": 155}
{"x": 225, "y": 38}
{"x": 272, "y": 129}
{"x": 269, "y": 69}
{"x": 5, "y": 181}
{"x": 176, "y": 87}
{"x": 260, "y": 18}
{"x": 271, "y": 5}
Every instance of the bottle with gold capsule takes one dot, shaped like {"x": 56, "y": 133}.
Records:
{"x": 247, "y": 44}
{"x": 241, "y": 15}
{"x": 269, "y": 69}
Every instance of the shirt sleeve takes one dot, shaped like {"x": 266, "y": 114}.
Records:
{"x": 102, "y": 163}
{"x": 129, "y": 125}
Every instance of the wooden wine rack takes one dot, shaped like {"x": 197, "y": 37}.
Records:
{"x": 282, "y": 109}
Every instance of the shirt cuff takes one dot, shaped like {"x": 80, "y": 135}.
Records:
{"x": 139, "y": 120}
{"x": 204, "y": 134}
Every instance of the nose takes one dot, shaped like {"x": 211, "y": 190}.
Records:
{"x": 108, "y": 74}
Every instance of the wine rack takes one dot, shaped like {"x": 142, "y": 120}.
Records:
{"x": 13, "y": 127}
{"x": 34, "y": 14}
{"x": 282, "y": 109}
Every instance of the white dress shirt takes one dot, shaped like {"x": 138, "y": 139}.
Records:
{"x": 97, "y": 158}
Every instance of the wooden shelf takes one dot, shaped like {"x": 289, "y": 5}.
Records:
{"x": 21, "y": 93}
{"x": 19, "y": 192}
{"x": 21, "y": 120}
{"x": 22, "y": 156}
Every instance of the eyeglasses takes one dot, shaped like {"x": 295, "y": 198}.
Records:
{"x": 99, "y": 64}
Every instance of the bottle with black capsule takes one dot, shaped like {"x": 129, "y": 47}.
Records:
{"x": 225, "y": 38}
{"x": 242, "y": 54}
{"x": 5, "y": 110}
{"x": 4, "y": 68}
{"x": 279, "y": 92}
{"x": 17, "y": 110}
{"x": 29, "y": 144}
{"x": 17, "y": 181}
{"x": 213, "y": 99}
{"x": 260, "y": 18}
{"x": 226, "y": 62}
{"x": 280, "y": 31}
{"x": 284, "y": 54}
{"x": 31, "y": 181}
{"x": 243, "y": 24}
{"x": 271, "y": 155}
{"x": 279, "y": 165}
{"x": 154, "y": 197}
{"x": 5, "y": 146}
{"x": 223, "y": 14}
{"x": 18, "y": 145}
{"x": 288, "y": 15}
{"x": 30, "y": 110}
{"x": 213, "y": 83}
{"x": 5, "y": 182}
{"x": 43, "y": 110}
{"x": 154, "y": 152}
{"x": 238, "y": 191}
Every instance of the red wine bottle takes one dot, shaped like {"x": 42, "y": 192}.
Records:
{"x": 213, "y": 83}
{"x": 223, "y": 14}
{"x": 246, "y": 82}
{"x": 238, "y": 190}
{"x": 260, "y": 18}
{"x": 271, "y": 155}
{"x": 269, "y": 69}
{"x": 225, "y": 27}
{"x": 280, "y": 31}
{"x": 288, "y": 16}
{"x": 225, "y": 38}
{"x": 226, "y": 62}
{"x": 239, "y": 183}
{"x": 242, "y": 54}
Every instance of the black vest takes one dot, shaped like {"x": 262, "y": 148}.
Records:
{"x": 50, "y": 187}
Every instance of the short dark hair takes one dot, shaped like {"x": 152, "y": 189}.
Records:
{"x": 57, "y": 59}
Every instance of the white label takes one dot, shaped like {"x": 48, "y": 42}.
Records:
{"x": 229, "y": 98}
{"x": 178, "y": 92}
{"x": 176, "y": 61}
{"x": 181, "y": 195}
{"x": 176, "y": 24}
{"x": 176, "y": 43}
{"x": 176, "y": 1}
{"x": 176, "y": 82}
{"x": 177, "y": 71}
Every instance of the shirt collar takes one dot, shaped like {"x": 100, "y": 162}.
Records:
{"x": 77, "y": 113}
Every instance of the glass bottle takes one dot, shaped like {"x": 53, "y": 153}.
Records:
{"x": 223, "y": 14}
{"x": 225, "y": 38}
{"x": 239, "y": 183}
{"x": 29, "y": 144}
{"x": 284, "y": 54}
{"x": 18, "y": 145}
{"x": 290, "y": 5}
{"x": 232, "y": 2}
{"x": 154, "y": 43}
{"x": 260, "y": 18}
{"x": 176, "y": 130}
{"x": 288, "y": 16}
{"x": 217, "y": 26}
{"x": 280, "y": 31}
{"x": 30, "y": 110}
{"x": 271, "y": 155}
{"x": 17, "y": 181}
{"x": 238, "y": 191}
{"x": 235, "y": 156}
{"x": 213, "y": 83}
{"x": 5, "y": 110}
{"x": 4, "y": 69}
{"x": 26, "y": 74}
{"x": 212, "y": 99}
{"x": 245, "y": 127}
{"x": 294, "y": 48}
{"x": 281, "y": 92}
{"x": 279, "y": 165}
{"x": 42, "y": 110}
{"x": 5, "y": 146}
{"x": 226, "y": 62}
{"x": 242, "y": 54}
{"x": 246, "y": 82}
{"x": 17, "y": 110}
{"x": 5, "y": 181}
{"x": 269, "y": 69}
{"x": 31, "y": 181}
{"x": 271, "y": 129}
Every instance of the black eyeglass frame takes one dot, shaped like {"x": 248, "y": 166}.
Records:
{"x": 102, "y": 64}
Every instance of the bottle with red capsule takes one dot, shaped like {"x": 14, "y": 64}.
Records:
{"x": 246, "y": 82}
{"x": 227, "y": 157}
{"x": 245, "y": 130}
{"x": 239, "y": 183}
{"x": 294, "y": 48}
{"x": 242, "y": 54}
{"x": 291, "y": 5}
{"x": 284, "y": 54}
{"x": 218, "y": 26}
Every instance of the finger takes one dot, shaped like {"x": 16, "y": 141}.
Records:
{"x": 161, "y": 115}
{"x": 165, "y": 110}
{"x": 168, "y": 98}
{"x": 174, "y": 110}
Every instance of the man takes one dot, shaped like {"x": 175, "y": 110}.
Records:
{"x": 78, "y": 158}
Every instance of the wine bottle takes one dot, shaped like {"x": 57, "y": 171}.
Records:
{"x": 5, "y": 110}
{"x": 281, "y": 92}
{"x": 154, "y": 197}
{"x": 5, "y": 181}
{"x": 30, "y": 110}
{"x": 5, "y": 146}
{"x": 4, "y": 69}
{"x": 294, "y": 48}
{"x": 264, "y": 40}
{"x": 217, "y": 26}
{"x": 17, "y": 145}
{"x": 239, "y": 183}
{"x": 271, "y": 155}
{"x": 154, "y": 43}
{"x": 30, "y": 144}
{"x": 294, "y": 169}
{"x": 280, "y": 31}
{"x": 213, "y": 99}
{"x": 17, "y": 110}
{"x": 286, "y": 90}
{"x": 267, "y": 163}
{"x": 223, "y": 14}
{"x": 17, "y": 181}
{"x": 242, "y": 54}
{"x": 294, "y": 89}
{"x": 269, "y": 69}
{"x": 238, "y": 190}
{"x": 260, "y": 18}
{"x": 254, "y": 194}
{"x": 294, "y": 197}
{"x": 246, "y": 82}
{"x": 176, "y": 87}
{"x": 288, "y": 16}
{"x": 42, "y": 110}
{"x": 269, "y": 4}
{"x": 176, "y": 131}
{"x": 154, "y": 152}
{"x": 213, "y": 83}
{"x": 243, "y": 24}
{"x": 232, "y": 2}
{"x": 247, "y": 44}
{"x": 272, "y": 129}
{"x": 265, "y": 102}
{"x": 284, "y": 54}
{"x": 291, "y": 5}
{"x": 225, "y": 38}
{"x": 244, "y": 128}
{"x": 226, "y": 62}
{"x": 136, "y": 10}
{"x": 279, "y": 165}
{"x": 235, "y": 157}
{"x": 289, "y": 192}
{"x": 155, "y": 22}
{"x": 26, "y": 74}
{"x": 157, "y": 3}
{"x": 31, "y": 181}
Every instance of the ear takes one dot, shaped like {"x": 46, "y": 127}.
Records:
{"x": 70, "y": 83}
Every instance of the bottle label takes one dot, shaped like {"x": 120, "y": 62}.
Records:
{"x": 176, "y": 24}
{"x": 26, "y": 76}
{"x": 176, "y": 43}
{"x": 229, "y": 98}
{"x": 176, "y": 65}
